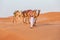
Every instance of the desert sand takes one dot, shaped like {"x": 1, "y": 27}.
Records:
{"x": 47, "y": 28}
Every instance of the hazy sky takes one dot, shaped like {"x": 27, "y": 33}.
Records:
{"x": 7, "y": 7}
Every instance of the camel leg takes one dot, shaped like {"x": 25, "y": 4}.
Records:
{"x": 23, "y": 19}
{"x": 14, "y": 20}
{"x": 28, "y": 20}
{"x": 35, "y": 21}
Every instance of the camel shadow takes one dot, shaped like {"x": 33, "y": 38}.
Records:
{"x": 46, "y": 24}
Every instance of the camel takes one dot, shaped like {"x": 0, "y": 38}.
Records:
{"x": 25, "y": 16}
{"x": 16, "y": 17}
{"x": 31, "y": 15}
{"x": 24, "y": 13}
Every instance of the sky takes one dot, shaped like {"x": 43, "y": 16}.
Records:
{"x": 7, "y": 7}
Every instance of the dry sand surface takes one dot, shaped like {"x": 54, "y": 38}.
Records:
{"x": 47, "y": 28}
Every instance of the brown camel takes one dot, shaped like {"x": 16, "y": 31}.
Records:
{"x": 26, "y": 16}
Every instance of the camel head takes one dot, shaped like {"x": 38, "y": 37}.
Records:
{"x": 38, "y": 13}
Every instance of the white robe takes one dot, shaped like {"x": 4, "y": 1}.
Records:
{"x": 32, "y": 21}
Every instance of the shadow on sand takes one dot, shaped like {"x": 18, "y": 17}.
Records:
{"x": 46, "y": 24}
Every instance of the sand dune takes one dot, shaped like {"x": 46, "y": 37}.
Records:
{"x": 47, "y": 28}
